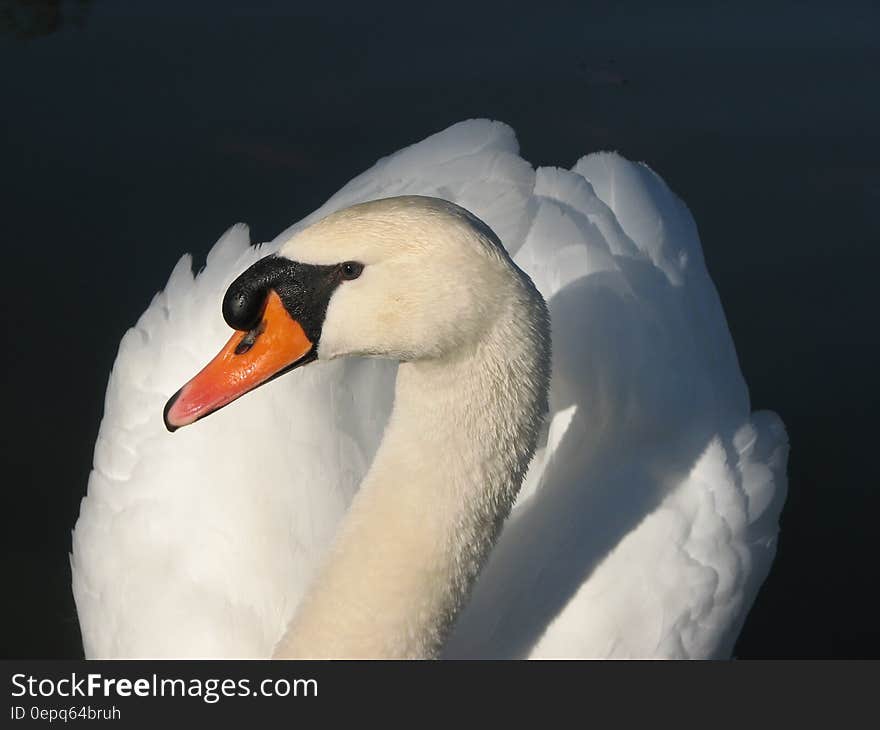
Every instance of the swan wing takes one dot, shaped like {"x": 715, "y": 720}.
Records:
{"x": 648, "y": 520}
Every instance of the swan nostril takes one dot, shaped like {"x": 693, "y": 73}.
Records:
{"x": 250, "y": 337}
{"x": 247, "y": 342}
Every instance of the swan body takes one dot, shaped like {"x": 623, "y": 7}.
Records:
{"x": 647, "y": 516}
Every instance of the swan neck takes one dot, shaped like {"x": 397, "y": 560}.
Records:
{"x": 452, "y": 459}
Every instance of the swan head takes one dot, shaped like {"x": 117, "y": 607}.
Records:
{"x": 409, "y": 278}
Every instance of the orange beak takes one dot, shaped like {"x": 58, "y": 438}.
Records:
{"x": 277, "y": 344}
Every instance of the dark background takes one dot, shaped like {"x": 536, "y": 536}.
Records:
{"x": 135, "y": 131}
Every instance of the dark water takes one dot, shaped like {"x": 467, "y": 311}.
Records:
{"x": 132, "y": 132}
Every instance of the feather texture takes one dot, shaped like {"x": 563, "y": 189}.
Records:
{"x": 649, "y": 516}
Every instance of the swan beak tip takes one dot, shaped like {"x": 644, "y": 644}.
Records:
{"x": 168, "y": 406}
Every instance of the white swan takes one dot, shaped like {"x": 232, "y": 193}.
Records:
{"x": 647, "y": 519}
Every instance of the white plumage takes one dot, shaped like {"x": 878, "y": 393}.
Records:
{"x": 648, "y": 518}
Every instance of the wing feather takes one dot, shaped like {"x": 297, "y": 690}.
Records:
{"x": 649, "y": 516}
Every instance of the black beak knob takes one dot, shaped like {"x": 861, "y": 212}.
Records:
{"x": 245, "y": 298}
{"x": 243, "y": 304}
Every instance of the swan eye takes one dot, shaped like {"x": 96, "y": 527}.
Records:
{"x": 351, "y": 270}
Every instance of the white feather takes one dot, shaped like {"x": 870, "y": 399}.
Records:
{"x": 647, "y": 521}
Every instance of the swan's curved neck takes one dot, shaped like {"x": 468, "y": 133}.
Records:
{"x": 451, "y": 461}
